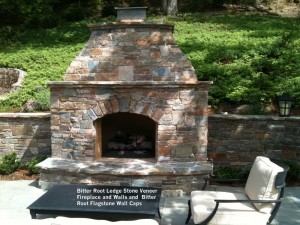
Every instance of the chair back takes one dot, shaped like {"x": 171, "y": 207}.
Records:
{"x": 265, "y": 182}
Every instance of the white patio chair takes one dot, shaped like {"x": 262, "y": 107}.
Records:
{"x": 259, "y": 204}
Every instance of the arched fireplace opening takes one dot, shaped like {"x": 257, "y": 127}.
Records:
{"x": 125, "y": 135}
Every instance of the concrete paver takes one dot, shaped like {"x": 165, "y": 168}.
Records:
{"x": 15, "y": 196}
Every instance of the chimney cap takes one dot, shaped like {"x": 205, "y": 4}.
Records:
{"x": 131, "y": 14}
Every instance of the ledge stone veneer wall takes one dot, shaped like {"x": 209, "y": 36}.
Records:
{"x": 134, "y": 68}
{"x": 237, "y": 140}
{"x": 27, "y": 134}
{"x": 232, "y": 139}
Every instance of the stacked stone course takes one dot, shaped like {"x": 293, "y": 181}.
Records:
{"x": 134, "y": 68}
{"x": 179, "y": 120}
{"x": 26, "y": 134}
{"x": 131, "y": 52}
{"x": 237, "y": 140}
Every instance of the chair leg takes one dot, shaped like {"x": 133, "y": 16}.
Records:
{"x": 189, "y": 213}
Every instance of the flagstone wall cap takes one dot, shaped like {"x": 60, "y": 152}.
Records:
{"x": 132, "y": 167}
{"x": 130, "y": 83}
{"x": 255, "y": 117}
{"x": 118, "y": 25}
{"x": 128, "y": 8}
{"x": 25, "y": 115}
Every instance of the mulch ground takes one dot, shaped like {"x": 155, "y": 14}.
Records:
{"x": 20, "y": 174}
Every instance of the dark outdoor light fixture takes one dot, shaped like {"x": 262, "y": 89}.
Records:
{"x": 285, "y": 103}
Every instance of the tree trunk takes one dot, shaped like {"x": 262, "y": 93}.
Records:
{"x": 170, "y": 7}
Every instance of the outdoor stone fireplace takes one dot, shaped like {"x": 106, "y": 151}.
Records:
{"x": 129, "y": 111}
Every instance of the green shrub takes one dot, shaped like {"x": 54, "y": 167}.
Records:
{"x": 31, "y": 165}
{"x": 229, "y": 172}
{"x": 9, "y": 164}
{"x": 294, "y": 170}
{"x": 46, "y": 13}
{"x": 250, "y": 58}
{"x": 42, "y": 97}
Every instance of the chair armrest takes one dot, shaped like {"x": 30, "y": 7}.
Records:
{"x": 218, "y": 201}
{"x": 212, "y": 179}
{"x": 246, "y": 200}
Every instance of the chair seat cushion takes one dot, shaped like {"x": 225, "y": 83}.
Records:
{"x": 202, "y": 205}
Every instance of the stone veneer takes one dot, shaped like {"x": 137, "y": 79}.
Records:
{"x": 175, "y": 178}
{"x": 178, "y": 110}
{"x": 232, "y": 140}
{"x": 238, "y": 139}
{"x": 27, "y": 134}
{"x": 135, "y": 68}
{"x": 131, "y": 52}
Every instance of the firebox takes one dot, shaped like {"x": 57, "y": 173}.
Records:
{"x": 125, "y": 135}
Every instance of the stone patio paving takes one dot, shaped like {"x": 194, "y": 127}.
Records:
{"x": 15, "y": 196}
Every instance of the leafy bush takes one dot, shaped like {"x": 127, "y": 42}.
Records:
{"x": 294, "y": 170}
{"x": 9, "y": 164}
{"x": 42, "y": 97}
{"x": 46, "y": 13}
{"x": 31, "y": 166}
{"x": 198, "y": 6}
{"x": 250, "y": 58}
{"x": 229, "y": 172}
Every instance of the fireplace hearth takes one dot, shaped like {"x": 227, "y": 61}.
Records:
{"x": 131, "y": 94}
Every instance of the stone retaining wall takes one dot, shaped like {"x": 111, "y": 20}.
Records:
{"x": 10, "y": 79}
{"x": 27, "y": 134}
{"x": 232, "y": 139}
{"x": 237, "y": 140}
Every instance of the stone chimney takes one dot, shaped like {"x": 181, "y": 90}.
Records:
{"x": 131, "y": 14}
{"x": 131, "y": 76}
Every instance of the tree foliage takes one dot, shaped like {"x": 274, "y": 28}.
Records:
{"x": 46, "y": 13}
{"x": 50, "y": 13}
